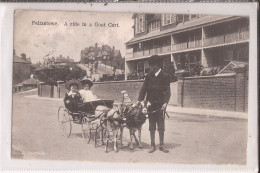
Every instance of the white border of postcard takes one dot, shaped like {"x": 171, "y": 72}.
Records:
{"x": 6, "y": 49}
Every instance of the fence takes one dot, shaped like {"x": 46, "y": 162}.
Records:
{"x": 224, "y": 92}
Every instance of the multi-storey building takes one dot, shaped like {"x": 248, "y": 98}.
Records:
{"x": 187, "y": 41}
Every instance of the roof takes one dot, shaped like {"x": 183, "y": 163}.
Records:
{"x": 116, "y": 52}
{"x": 230, "y": 67}
{"x": 99, "y": 54}
{"x": 183, "y": 26}
{"x": 106, "y": 48}
{"x": 40, "y": 68}
{"x": 104, "y": 53}
{"x": 19, "y": 60}
{"x": 30, "y": 81}
{"x": 91, "y": 54}
{"x": 86, "y": 50}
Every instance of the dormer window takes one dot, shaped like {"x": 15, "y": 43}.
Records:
{"x": 139, "y": 24}
{"x": 154, "y": 25}
{"x": 168, "y": 19}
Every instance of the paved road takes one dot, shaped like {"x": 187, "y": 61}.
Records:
{"x": 191, "y": 139}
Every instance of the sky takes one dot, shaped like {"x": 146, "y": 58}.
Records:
{"x": 37, "y": 41}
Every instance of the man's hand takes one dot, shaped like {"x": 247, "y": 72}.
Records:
{"x": 164, "y": 106}
{"x": 67, "y": 101}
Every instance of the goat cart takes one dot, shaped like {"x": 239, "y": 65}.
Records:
{"x": 90, "y": 119}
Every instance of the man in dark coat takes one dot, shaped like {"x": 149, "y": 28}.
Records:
{"x": 156, "y": 90}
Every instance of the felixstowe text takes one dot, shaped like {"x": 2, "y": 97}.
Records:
{"x": 84, "y": 24}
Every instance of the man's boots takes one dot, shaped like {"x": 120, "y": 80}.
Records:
{"x": 162, "y": 146}
{"x": 152, "y": 135}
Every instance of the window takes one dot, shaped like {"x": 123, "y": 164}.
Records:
{"x": 229, "y": 55}
{"x": 180, "y": 18}
{"x": 193, "y": 16}
{"x": 139, "y": 24}
{"x": 168, "y": 19}
{"x": 146, "y": 67}
{"x": 140, "y": 67}
{"x": 154, "y": 25}
{"x": 242, "y": 54}
{"x": 140, "y": 47}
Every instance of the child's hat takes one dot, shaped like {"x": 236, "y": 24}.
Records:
{"x": 73, "y": 82}
{"x": 87, "y": 80}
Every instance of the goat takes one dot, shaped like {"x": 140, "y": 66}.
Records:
{"x": 135, "y": 117}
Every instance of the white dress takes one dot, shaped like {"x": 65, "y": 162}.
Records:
{"x": 87, "y": 95}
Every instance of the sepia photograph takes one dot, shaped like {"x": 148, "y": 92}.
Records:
{"x": 130, "y": 87}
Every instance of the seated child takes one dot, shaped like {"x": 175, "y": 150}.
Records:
{"x": 72, "y": 97}
{"x": 86, "y": 93}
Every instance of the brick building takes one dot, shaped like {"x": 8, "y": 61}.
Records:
{"x": 188, "y": 41}
{"x": 105, "y": 53}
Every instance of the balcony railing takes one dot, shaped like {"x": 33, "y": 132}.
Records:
{"x": 138, "y": 54}
{"x": 226, "y": 38}
{"x": 214, "y": 40}
{"x": 165, "y": 49}
{"x": 129, "y": 55}
{"x": 186, "y": 45}
{"x": 148, "y": 52}
{"x": 180, "y": 46}
{"x": 194, "y": 44}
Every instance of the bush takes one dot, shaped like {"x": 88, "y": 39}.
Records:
{"x": 54, "y": 73}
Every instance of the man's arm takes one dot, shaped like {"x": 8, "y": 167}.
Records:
{"x": 167, "y": 92}
{"x": 143, "y": 90}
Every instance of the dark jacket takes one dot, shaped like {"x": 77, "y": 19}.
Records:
{"x": 156, "y": 89}
{"x": 72, "y": 105}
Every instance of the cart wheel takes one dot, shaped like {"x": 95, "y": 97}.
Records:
{"x": 64, "y": 121}
{"x": 85, "y": 129}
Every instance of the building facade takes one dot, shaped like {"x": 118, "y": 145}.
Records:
{"x": 21, "y": 69}
{"x": 57, "y": 61}
{"x": 189, "y": 42}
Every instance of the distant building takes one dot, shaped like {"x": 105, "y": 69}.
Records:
{"x": 103, "y": 53}
{"x": 27, "y": 85}
{"x": 21, "y": 69}
{"x": 60, "y": 60}
{"x": 187, "y": 41}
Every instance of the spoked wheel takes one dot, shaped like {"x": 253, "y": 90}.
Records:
{"x": 85, "y": 129}
{"x": 64, "y": 121}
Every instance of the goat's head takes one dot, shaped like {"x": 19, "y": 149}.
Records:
{"x": 145, "y": 106}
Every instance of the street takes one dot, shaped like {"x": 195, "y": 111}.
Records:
{"x": 191, "y": 139}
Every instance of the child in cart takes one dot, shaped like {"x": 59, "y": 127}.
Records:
{"x": 86, "y": 93}
{"x": 72, "y": 97}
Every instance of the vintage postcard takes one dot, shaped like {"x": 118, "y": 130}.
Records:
{"x": 131, "y": 87}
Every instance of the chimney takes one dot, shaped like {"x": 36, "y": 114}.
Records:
{"x": 96, "y": 45}
{"x": 68, "y": 57}
{"x": 23, "y": 56}
{"x": 14, "y": 52}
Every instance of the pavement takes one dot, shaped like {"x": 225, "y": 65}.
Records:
{"x": 181, "y": 110}
{"x": 190, "y": 139}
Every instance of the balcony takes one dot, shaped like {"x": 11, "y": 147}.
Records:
{"x": 138, "y": 54}
{"x": 165, "y": 49}
{"x": 194, "y": 44}
{"x": 149, "y": 52}
{"x": 226, "y": 38}
{"x": 214, "y": 40}
{"x": 129, "y": 55}
{"x": 186, "y": 45}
